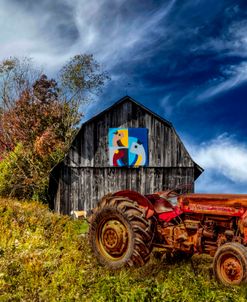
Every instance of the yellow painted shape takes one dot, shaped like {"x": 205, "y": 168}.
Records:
{"x": 139, "y": 159}
{"x": 124, "y": 138}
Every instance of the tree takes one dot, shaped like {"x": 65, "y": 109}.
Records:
{"x": 37, "y": 129}
{"x": 38, "y": 121}
{"x": 80, "y": 76}
{"x": 16, "y": 76}
{"x": 37, "y": 110}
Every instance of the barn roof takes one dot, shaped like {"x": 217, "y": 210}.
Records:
{"x": 123, "y": 100}
{"x": 198, "y": 169}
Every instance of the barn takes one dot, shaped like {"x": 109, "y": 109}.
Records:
{"x": 126, "y": 146}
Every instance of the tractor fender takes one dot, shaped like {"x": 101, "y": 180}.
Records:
{"x": 139, "y": 198}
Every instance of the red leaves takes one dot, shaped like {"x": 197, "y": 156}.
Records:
{"x": 36, "y": 119}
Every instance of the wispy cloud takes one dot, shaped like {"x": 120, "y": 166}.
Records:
{"x": 25, "y": 33}
{"x": 235, "y": 76}
{"x": 228, "y": 78}
{"x": 123, "y": 37}
{"x": 114, "y": 32}
{"x": 224, "y": 160}
{"x": 150, "y": 44}
{"x": 228, "y": 52}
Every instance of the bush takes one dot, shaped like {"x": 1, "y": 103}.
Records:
{"x": 24, "y": 174}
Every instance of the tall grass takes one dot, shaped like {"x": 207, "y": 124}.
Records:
{"x": 46, "y": 257}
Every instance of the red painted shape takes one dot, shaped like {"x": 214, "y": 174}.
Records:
{"x": 117, "y": 156}
{"x": 139, "y": 198}
{"x": 168, "y": 216}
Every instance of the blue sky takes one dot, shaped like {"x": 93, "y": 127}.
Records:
{"x": 185, "y": 60}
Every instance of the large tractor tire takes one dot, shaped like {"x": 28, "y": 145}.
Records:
{"x": 120, "y": 235}
{"x": 230, "y": 264}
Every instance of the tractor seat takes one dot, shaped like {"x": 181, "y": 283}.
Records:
{"x": 161, "y": 206}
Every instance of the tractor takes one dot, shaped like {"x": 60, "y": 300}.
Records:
{"x": 126, "y": 226}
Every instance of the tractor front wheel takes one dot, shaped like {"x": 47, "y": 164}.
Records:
{"x": 230, "y": 264}
{"x": 119, "y": 234}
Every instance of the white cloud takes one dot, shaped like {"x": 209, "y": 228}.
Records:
{"x": 232, "y": 43}
{"x": 122, "y": 38}
{"x": 21, "y": 35}
{"x": 225, "y": 162}
{"x": 231, "y": 77}
{"x": 127, "y": 39}
{"x": 109, "y": 36}
{"x": 166, "y": 104}
{"x": 238, "y": 75}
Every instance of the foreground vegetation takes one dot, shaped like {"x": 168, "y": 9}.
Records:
{"x": 45, "y": 257}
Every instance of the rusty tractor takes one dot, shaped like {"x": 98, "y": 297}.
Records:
{"x": 126, "y": 226}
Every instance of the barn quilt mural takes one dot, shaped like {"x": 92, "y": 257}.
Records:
{"x": 128, "y": 147}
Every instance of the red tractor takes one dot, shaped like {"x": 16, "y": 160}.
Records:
{"x": 126, "y": 226}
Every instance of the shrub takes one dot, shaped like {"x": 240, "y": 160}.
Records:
{"x": 25, "y": 174}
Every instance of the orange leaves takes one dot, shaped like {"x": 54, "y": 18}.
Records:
{"x": 36, "y": 121}
{"x": 47, "y": 143}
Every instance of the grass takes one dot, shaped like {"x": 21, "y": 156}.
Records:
{"x": 46, "y": 257}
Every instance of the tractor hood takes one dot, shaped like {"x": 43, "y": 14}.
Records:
{"x": 221, "y": 204}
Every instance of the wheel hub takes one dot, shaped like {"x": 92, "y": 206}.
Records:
{"x": 232, "y": 269}
{"x": 114, "y": 238}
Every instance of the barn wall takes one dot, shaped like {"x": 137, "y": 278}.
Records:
{"x": 90, "y": 148}
{"x": 82, "y": 188}
{"x": 85, "y": 176}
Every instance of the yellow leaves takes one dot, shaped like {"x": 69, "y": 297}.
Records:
{"x": 41, "y": 117}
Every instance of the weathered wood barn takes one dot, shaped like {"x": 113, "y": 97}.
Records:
{"x": 126, "y": 146}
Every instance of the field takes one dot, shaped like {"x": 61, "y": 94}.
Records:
{"x": 46, "y": 257}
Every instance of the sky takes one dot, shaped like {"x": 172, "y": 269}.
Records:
{"x": 185, "y": 60}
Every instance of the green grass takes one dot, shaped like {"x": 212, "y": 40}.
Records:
{"x": 46, "y": 257}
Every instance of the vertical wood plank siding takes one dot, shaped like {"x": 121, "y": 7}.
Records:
{"x": 85, "y": 176}
{"x": 82, "y": 188}
{"x": 90, "y": 147}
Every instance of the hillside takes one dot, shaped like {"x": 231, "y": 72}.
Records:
{"x": 45, "y": 257}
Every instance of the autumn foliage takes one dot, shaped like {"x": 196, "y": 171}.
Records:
{"x": 38, "y": 123}
{"x": 34, "y": 130}
{"x": 37, "y": 119}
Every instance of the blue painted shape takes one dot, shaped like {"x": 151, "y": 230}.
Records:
{"x": 138, "y": 146}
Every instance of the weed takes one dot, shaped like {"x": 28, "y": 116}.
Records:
{"x": 46, "y": 257}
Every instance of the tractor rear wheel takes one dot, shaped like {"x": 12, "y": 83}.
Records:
{"x": 120, "y": 234}
{"x": 230, "y": 264}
